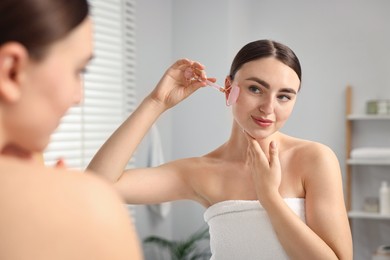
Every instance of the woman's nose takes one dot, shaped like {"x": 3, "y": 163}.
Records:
{"x": 267, "y": 106}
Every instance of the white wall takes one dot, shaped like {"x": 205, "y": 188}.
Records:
{"x": 154, "y": 55}
{"x": 201, "y": 123}
{"x": 338, "y": 43}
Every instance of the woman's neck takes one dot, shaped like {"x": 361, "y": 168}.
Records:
{"x": 237, "y": 144}
{"x": 17, "y": 153}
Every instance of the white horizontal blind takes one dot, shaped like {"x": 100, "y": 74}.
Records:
{"x": 109, "y": 87}
{"x": 128, "y": 30}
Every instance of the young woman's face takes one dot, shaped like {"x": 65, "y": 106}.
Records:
{"x": 49, "y": 87}
{"x": 268, "y": 91}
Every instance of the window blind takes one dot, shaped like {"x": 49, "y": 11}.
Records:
{"x": 109, "y": 87}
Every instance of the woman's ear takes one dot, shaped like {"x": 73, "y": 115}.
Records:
{"x": 228, "y": 85}
{"x": 13, "y": 57}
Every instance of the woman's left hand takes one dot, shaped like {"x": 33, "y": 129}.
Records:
{"x": 266, "y": 173}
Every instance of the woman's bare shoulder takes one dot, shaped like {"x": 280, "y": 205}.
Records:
{"x": 310, "y": 149}
{"x": 73, "y": 211}
{"x": 24, "y": 178}
{"x": 313, "y": 159}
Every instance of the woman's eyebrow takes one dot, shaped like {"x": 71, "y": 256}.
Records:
{"x": 267, "y": 85}
{"x": 260, "y": 81}
{"x": 288, "y": 90}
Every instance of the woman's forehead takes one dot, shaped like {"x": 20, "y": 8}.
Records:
{"x": 269, "y": 70}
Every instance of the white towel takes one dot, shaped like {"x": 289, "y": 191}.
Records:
{"x": 371, "y": 153}
{"x": 156, "y": 158}
{"x": 155, "y": 151}
{"x": 241, "y": 229}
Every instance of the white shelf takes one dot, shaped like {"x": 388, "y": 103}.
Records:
{"x": 366, "y": 215}
{"x": 368, "y": 162}
{"x": 367, "y": 117}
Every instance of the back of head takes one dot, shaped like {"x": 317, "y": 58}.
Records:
{"x": 263, "y": 49}
{"x": 36, "y": 24}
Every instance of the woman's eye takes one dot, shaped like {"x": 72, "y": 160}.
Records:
{"x": 284, "y": 98}
{"x": 81, "y": 72}
{"x": 255, "y": 89}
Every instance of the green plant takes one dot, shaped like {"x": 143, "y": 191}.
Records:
{"x": 187, "y": 249}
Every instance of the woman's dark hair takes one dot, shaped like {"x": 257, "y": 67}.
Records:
{"x": 264, "y": 49}
{"x": 37, "y": 24}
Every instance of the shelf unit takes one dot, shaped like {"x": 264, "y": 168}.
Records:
{"x": 350, "y": 118}
{"x": 368, "y": 117}
{"x": 366, "y": 215}
{"x": 368, "y": 162}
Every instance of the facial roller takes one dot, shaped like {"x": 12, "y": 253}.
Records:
{"x": 234, "y": 92}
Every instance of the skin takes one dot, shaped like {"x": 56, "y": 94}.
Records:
{"x": 52, "y": 213}
{"x": 257, "y": 162}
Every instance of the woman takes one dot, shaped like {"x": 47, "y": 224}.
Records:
{"x": 52, "y": 213}
{"x": 267, "y": 194}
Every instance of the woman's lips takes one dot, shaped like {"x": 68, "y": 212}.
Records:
{"x": 262, "y": 121}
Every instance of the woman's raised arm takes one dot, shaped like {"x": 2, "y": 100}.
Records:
{"x": 175, "y": 85}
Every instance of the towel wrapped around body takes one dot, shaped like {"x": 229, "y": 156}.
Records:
{"x": 241, "y": 229}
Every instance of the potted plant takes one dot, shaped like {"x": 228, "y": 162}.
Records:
{"x": 187, "y": 249}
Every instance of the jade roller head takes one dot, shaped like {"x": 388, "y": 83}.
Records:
{"x": 233, "y": 95}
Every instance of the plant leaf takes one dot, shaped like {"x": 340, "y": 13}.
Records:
{"x": 159, "y": 241}
{"x": 185, "y": 249}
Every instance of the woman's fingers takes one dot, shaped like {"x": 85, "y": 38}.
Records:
{"x": 274, "y": 155}
{"x": 254, "y": 148}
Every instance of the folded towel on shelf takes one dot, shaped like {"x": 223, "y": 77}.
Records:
{"x": 241, "y": 229}
{"x": 371, "y": 153}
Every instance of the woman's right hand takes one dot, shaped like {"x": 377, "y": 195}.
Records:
{"x": 265, "y": 170}
{"x": 182, "y": 79}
